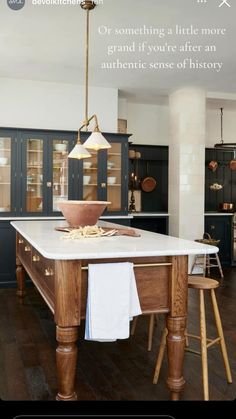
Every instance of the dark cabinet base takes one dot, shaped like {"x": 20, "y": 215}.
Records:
{"x": 154, "y": 224}
{"x": 220, "y": 228}
{"x": 7, "y": 255}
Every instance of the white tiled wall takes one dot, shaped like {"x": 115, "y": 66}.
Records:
{"x": 186, "y": 168}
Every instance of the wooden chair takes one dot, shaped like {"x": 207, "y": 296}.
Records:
{"x": 201, "y": 284}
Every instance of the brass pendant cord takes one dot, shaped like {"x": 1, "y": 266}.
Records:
{"x": 86, "y": 68}
{"x": 222, "y": 141}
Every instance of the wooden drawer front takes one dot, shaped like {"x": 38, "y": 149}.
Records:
{"x": 153, "y": 288}
{"x": 43, "y": 270}
{"x": 24, "y": 250}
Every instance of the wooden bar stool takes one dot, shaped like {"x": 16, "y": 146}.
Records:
{"x": 201, "y": 284}
{"x": 206, "y": 262}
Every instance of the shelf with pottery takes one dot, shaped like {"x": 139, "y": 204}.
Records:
{"x": 114, "y": 154}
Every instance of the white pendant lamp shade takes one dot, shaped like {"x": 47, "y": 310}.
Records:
{"x": 79, "y": 152}
{"x": 96, "y": 141}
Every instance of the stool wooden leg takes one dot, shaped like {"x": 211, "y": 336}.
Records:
{"x": 194, "y": 262}
{"x": 186, "y": 339}
{"x": 160, "y": 357}
{"x": 203, "y": 346}
{"x": 150, "y": 332}
{"x": 134, "y": 324}
{"x": 208, "y": 264}
{"x": 204, "y": 265}
{"x": 220, "y": 267}
{"x": 221, "y": 335}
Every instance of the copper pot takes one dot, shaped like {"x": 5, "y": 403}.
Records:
{"x": 148, "y": 183}
{"x": 226, "y": 206}
{"x": 232, "y": 164}
{"x": 213, "y": 165}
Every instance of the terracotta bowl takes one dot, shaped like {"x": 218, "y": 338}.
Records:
{"x": 82, "y": 213}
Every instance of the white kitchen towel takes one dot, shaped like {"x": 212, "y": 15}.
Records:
{"x": 112, "y": 301}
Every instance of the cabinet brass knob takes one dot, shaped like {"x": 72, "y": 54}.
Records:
{"x": 212, "y": 227}
{"x": 103, "y": 185}
{"x": 36, "y": 258}
{"x": 49, "y": 272}
{"x": 27, "y": 249}
{"x": 20, "y": 241}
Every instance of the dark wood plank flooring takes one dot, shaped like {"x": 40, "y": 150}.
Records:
{"x": 107, "y": 371}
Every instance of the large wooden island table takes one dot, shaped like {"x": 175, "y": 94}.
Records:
{"x": 59, "y": 270}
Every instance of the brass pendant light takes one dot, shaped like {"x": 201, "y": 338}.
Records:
{"x": 96, "y": 141}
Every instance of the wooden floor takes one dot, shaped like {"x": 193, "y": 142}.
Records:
{"x": 117, "y": 371}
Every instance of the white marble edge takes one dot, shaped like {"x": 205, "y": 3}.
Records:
{"x": 218, "y": 214}
{"x": 44, "y": 238}
{"x": 30, "y": 218}
{"x": 116, "y": 217}
{"x": 150, "y": 214}
{"x": 103, "y": 217}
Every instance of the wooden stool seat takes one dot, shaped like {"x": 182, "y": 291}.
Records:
{"x": 201, "y": 284}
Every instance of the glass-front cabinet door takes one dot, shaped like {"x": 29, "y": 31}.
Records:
{"x": 5, "y": 174}
{"x": 90, "y": 177}
{"x": 34, "y": 175}
{"x": 105, "y": 174}
{"x": 60, "y": 175}
{"x": 31, "y": 149}
{"x": 114, "y": 164}
{"x": 45, "y": 179}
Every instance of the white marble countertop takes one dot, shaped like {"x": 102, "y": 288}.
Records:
{"x": 43, "y": 237}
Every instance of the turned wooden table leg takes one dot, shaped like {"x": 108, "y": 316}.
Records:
{"x": 175, "y": 351}
{"x": 20, "y": 277}
{"x": 66, "y": 362}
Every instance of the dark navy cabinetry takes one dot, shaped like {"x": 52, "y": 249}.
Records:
{"x": 220, "y": 227}
{"x": 36, "y": 174}
{"x": 7, "y": 254}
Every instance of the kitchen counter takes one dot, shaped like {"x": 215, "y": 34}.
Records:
{"x": 59, "y": 270}
{"x": 43, "y": 237}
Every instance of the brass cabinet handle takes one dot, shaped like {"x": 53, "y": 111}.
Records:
{"x": 20, "y": 241}
{"x": 27, "y": 249}
{"x": 49, "y": 272}
{"x": 212, "y": 227}
{"x": 36, "y": 258}
{"x": 103, "y": 185}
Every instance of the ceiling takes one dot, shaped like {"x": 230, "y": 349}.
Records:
{"x": 47, "y": 43}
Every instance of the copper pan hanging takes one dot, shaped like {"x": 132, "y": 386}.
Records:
{"x": 148, "y": 183}
{"x": 232, "y": 163}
